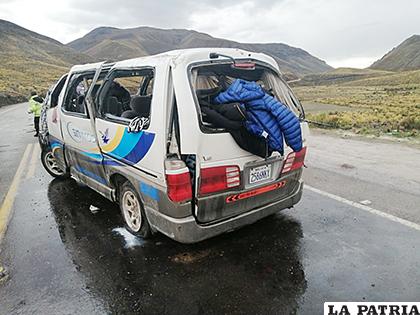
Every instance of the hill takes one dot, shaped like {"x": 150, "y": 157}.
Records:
{"x": 116, "y": 44}
{"x": 405, "y": 56}
{"x": 389, "y": 79}
{"x": 360, "y": 77}
{"x": 30, "y": 61}
{"x": 340, "y": 76}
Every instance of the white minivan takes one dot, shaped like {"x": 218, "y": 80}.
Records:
{"x": 172, "y": 171}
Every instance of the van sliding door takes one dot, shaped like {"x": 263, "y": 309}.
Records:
{"x": 81, "y": 148}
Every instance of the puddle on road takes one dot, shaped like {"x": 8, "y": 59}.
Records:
{"x": 131, "y": 240}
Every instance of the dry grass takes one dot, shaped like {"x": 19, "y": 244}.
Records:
{"x": 19, "y": 77}
{"x": 389, "y": 109}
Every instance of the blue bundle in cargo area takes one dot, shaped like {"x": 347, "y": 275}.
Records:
{"x": 267, "y": 117}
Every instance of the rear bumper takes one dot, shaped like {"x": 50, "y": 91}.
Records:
{"x": 187, "y": 230}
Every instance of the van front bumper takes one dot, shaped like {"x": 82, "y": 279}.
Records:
{"x": 187, "y": 230}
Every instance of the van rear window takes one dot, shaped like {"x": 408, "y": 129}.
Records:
{"x": 208, "y": 80}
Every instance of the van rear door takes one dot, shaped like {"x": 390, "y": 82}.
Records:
{"x": 229, "y": 180}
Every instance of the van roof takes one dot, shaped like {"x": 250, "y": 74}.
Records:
{"x": 85, "y": 67}
{"x": 184, "y": 57}
{"x": 187, "y": 56}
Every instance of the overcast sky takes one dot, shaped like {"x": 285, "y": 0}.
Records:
{"x": 342, "y": 32}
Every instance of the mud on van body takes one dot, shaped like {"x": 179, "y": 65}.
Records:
{"x": 176, "y": 173}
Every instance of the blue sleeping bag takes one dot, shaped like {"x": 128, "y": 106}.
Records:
{"x": 267, "y": 117}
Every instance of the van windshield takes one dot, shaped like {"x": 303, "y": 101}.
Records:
{"x": 209, "y": 80}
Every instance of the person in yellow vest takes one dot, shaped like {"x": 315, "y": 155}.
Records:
{"x": 35, "y": 105}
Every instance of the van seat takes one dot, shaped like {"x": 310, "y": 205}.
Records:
{"x": 140, "y": 107}
{"x": 114, "y": 107}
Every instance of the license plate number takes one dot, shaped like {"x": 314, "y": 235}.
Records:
{"x": 259, "y": 174}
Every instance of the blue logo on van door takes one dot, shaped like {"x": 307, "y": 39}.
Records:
{"x": 105, "y": 136}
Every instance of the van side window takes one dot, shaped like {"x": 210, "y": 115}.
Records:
{"x": 57, "y": 91}
{"x": 127, "y": 95}
{"x": 75, "y": 98}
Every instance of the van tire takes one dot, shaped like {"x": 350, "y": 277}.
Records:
{"x": 132, "y": 211}
{"x": 48, "y": 161}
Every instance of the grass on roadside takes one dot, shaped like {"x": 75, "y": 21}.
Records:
{"x": 379, "y": 109}
{"x": 19, "y": 78}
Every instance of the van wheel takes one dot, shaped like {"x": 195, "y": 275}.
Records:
{"x": 50, "y": 165}
{"x": 132, "y": 211}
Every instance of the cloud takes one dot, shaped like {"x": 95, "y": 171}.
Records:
{"x": 329, "y": 29}
{"x": 338, "y": 31}
{"x": 356, "y": 62}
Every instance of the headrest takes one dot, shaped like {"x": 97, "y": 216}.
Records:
{"x": 112, "y": 100}
{"x": 80, "y": 99}
{"x": 204, "y": 93}
{"x": 113, "y": 105}
{"x": 141, "y": 104}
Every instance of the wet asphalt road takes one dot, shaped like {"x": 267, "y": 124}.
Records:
{"x": 16, "y": 130}
{"x": 64, "y": 259}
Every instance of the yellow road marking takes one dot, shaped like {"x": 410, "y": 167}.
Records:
{"x": 34, "y": 162}
{"x": 6, "y": 207}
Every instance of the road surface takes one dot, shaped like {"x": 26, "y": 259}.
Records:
{"x": 354, "y": 237}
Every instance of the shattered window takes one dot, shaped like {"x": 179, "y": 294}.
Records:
{"x": 75, "y": 99}
{"x": 127, "y": 95}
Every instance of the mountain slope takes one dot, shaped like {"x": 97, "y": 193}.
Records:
{"x": 31, "y": 61}
{"x": 105, "y": 43}
{"x": 405, "y": 56}
{"x": 340, "y": 76}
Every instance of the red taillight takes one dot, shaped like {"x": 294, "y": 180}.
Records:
{"x": 244, "y": 65}
{"x": 294, "y": 161}
{"x": 178, "y": 180}
{"x": 213, "y": 179}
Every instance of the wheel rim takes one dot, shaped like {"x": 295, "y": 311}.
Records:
{"x": 132, "y": 211}
{"x": 51, "y": 164}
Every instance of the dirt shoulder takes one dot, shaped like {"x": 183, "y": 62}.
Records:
{"x": 345, "y": 134}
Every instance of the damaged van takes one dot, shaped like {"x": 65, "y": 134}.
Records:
{"x": 141, "y": 133}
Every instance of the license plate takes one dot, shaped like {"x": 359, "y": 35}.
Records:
{"x": 259, "y": 174}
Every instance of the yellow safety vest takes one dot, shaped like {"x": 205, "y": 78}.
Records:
{"x": 34, "y": 106}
